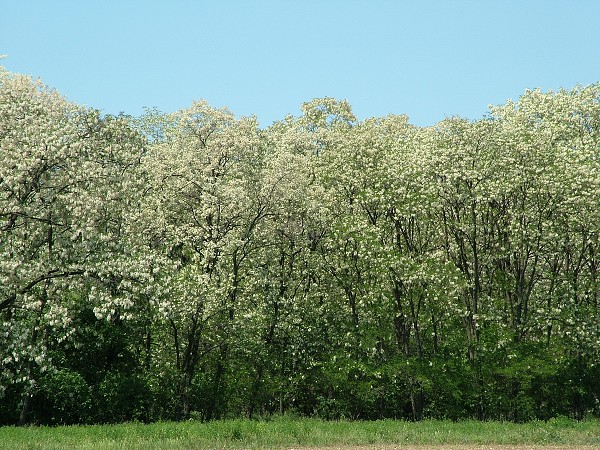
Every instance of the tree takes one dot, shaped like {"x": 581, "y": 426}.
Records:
{"x": 64, "y": 184}
{"x": 193, "y": 265}
{"x": 203, "y": 209}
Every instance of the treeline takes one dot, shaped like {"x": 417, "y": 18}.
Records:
{"x": 193, "y": 265}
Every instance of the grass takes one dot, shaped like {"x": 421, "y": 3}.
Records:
{"x": 293, "y": 433}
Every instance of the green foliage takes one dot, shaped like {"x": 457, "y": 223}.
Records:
{"x": 191, "y": 265}
{"x": 123, "y": 398}
{"x": 66, "y": 399}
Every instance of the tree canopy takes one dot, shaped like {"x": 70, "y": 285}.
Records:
{"x": 192, "y": 264}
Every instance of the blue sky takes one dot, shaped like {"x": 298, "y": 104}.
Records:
{"x": 427, "y": 59}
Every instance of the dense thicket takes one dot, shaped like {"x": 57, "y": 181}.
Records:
{"x": 194, "y": 265}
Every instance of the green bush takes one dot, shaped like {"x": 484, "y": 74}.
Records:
{"x": 65, "y": 398}
{"x": 123, "y": 398}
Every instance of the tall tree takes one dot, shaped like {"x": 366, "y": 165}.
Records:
{"x": 64, "y": 185}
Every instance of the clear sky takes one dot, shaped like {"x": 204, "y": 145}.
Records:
{"x": 425, "y": 58}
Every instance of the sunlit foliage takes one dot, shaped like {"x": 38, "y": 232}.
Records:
{"x": 194, "y": 265}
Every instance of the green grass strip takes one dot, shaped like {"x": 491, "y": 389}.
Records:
{"x": 290, "y": 433}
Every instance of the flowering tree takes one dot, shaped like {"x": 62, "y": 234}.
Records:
{"x": 324, "y": 265}
{"x": 63, "y": 189}
{"x": 203, "y": 208}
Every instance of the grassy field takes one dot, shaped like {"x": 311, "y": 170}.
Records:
{"x": 298, "y": 433}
